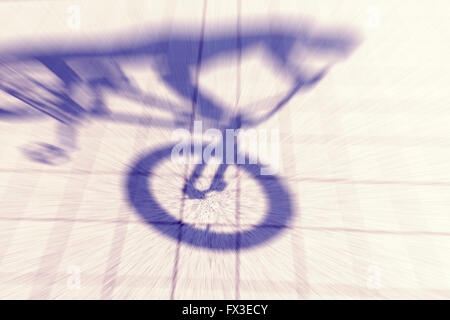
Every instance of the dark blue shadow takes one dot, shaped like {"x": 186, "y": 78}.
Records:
{"x": 86, "y": 71}
{"x": 276, "y": 218}
{"x": 96, "y": 67}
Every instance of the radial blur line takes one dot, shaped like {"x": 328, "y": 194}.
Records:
{"x": 236, "y": 105}
{"x": 359, "y": 247}
{"x": 191, "y": 126}
{"x": 425, "y": 277}
{"x": 110, "y": 278}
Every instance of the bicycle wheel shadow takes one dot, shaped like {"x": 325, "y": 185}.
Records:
{"x": 144, "y": 200}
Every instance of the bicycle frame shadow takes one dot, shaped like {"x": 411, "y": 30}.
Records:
{"x": 84, "y": 72}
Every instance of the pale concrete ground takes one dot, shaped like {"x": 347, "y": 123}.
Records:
{"x": 364, "y": 154}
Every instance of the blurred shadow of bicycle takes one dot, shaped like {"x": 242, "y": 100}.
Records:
{"x": 85, "y": 72}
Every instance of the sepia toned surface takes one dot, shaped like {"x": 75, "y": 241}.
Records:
{"x": 364, "y": 157}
